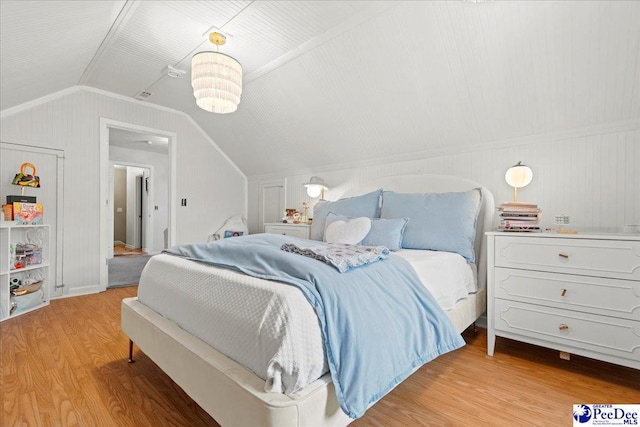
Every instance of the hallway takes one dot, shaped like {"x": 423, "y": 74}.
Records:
{"x": 122, "y": 250}
{"x": 126, "y": 266}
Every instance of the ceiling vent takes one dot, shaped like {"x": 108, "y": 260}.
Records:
{"x": 143, "y": 95}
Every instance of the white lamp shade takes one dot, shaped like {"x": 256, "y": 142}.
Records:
{"x": 314, "y": 191}
{"x": 216, "y": 79}
{"x": 518, "y": 176}
{"x": 315, "y": 186}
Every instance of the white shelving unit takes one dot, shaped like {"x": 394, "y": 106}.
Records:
{"x": 10, "y": 235}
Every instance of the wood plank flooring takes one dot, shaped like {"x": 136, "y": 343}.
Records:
{"x": 122, "y": 250}
{"x": 65, "y": 365}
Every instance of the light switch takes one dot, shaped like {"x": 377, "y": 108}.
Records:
{"x": 118, "y": 209}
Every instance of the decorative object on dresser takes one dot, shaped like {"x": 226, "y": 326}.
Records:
{"x": 291, "y": 216}
{"x": 562, "y": 221}
{"x": 574, "y": 293}
{"x": 302, "y": 231}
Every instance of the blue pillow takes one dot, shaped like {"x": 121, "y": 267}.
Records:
{"x": 365, "y": 205}
{"x": 437, "y": 221}
{"x": 384, "y": 232}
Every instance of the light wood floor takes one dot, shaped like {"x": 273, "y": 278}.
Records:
{"x": 65, "y": 365}
{"x": 122, "y": 250}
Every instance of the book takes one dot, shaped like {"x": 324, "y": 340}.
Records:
{"x": 28, "y": 213}
{"x": 519, "y": 217}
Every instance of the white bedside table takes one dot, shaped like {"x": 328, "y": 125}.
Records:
{"x": 576, "y": 293}
{"x": 302, "y": 231}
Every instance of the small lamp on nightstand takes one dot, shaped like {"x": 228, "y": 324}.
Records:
{"x": 518, "y": 176}
{"x": 316, "y": 187}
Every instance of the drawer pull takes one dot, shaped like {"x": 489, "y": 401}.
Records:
{"x": 564, "y": 292}
{"x": 563, "y": 255}
{"x": 563, "y": 327}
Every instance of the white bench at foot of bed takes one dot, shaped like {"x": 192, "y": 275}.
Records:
{"x": 229, "y": 392}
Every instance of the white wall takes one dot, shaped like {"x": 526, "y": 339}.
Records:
{"x": 159, "y": 186}
{"x": 593, "y": 175}
{"x": 70, "y": 121}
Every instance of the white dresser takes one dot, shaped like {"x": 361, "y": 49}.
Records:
{"x": 574, "y": 293}
{"x": 302, "y": 231}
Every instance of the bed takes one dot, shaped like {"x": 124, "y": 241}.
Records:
{"x": 233, "y": 394}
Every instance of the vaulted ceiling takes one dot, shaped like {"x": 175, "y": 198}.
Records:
{"x": 340, "y": 82}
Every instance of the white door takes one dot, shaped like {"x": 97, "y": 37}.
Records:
{"x": 271, "y": 203}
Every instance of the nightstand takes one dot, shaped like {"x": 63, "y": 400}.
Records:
{"x": 575, "y": 293}
{"x": 302, "y": 231}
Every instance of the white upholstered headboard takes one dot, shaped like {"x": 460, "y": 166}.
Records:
{"x": 427, "y": 183}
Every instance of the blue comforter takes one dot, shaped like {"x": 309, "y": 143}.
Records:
{"x": 379, "y": 323}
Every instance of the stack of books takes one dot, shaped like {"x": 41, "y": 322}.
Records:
{"x": 519, "y": 217}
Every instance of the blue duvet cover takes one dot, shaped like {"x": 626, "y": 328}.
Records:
{"x": 378, "y": 321}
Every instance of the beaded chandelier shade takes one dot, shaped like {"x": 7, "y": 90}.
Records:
{"x": 216, "y": 79}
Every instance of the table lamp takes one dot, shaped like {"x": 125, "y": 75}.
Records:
{"x": 518, "y": 176}
{"x": 316, "y": 187}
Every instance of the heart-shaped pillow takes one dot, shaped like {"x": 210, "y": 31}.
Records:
{"x": 350, "y": 232}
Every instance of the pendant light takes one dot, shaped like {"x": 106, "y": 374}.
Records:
{"x": 216, "y": 79}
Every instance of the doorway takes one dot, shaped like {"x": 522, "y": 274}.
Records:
{"x": 148, "y": 156}
{"x": 133, "y": 224}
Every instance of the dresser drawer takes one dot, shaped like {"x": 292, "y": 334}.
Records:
{"x": 618, "y": 259}
{"x": 604, "y": 296}
{"x": 301, "y": 232}
{"x": 568, "y": 330}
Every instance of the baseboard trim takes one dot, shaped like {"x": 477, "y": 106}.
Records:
{"x": 83, "y": 290}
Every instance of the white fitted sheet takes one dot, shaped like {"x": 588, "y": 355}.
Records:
{"x": 446, "y": 275}
{"x": 268, "y": 327}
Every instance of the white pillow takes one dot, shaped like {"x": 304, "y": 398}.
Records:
{"x": 350, "y": 232}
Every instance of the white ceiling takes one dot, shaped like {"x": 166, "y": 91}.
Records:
{"x": 339, "y": 82}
